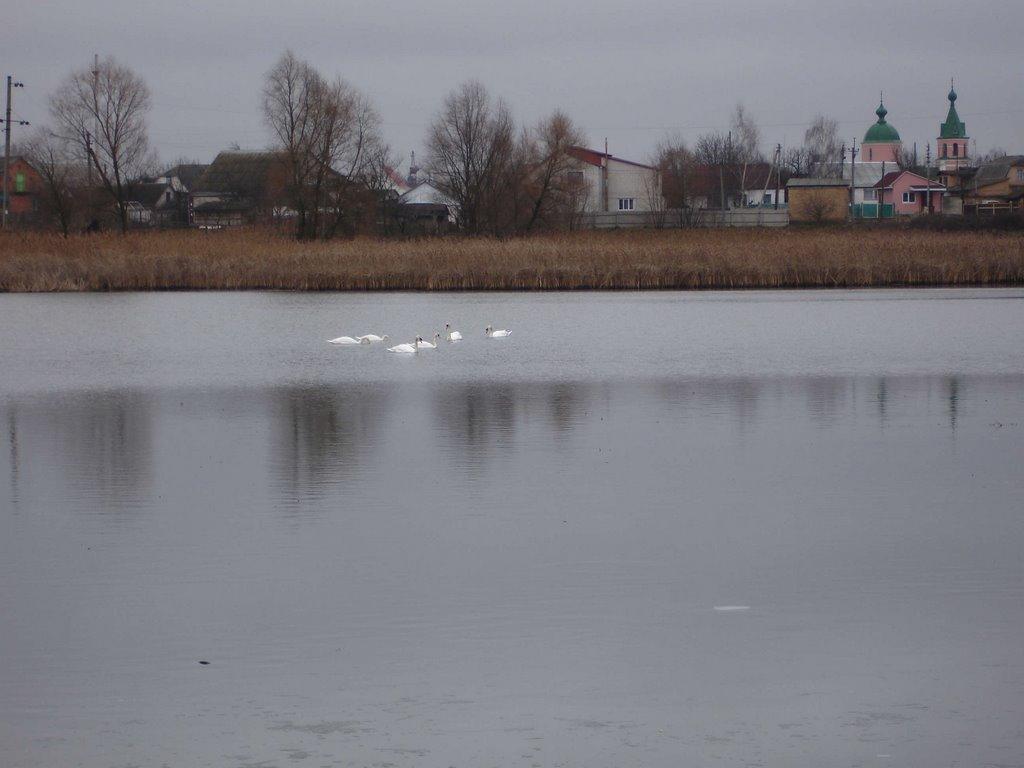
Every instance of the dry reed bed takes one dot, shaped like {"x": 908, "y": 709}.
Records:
{"x": 610, "y": 260}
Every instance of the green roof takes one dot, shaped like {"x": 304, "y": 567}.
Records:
{"x": 954, "y": 127}
{"x": 881, "y": 132}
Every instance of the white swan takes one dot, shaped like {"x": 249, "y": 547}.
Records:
{"x": 405, "y": 349}
{"x": 421, "y": 344}
{"x": 451, "y": 335}
{"x": 493, "y": 334}
{"x": 372, "y": 338}
{"x": 344, "y": 340}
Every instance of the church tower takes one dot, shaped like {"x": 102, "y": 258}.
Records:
{"x": 951, "y": 146}
{"x": 882, "y": 141}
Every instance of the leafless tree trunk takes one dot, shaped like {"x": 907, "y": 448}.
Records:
{"x": 551, "y": 185}
{"x": 104, "y": 115}
{"x": 821, "y": 145}
{"x": 747, "y": 139}
{"x": 327, "y": 132}
{"x": 55, "y": 162}
{"x": 675, "y": 162}
{"x": 470, "y": 144}
{"x": 718, "y": 150}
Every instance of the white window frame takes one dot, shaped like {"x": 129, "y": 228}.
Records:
{"x": 870, "y": 195}
{"x": 909, "y": 197}
{"x": 627, "y": 203}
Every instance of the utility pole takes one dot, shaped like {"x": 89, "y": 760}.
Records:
{"x": 778, "y": 171}
{"x": 7, "y": 145}
{"x": 853, "y": 171}
{"x": 928, "y": 173}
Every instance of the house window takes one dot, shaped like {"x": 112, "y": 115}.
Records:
{"x": 19, "y": 183}
{"x": 626, "y": 204}
{"x": 870, "y": 194}
{"x": 1020, "y": 174}
{"x": 956, "y": 149}
{"x": 909, "y": 197}
{"x": 574, "y": 177}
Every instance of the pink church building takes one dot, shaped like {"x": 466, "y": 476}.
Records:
{"x": 882, "y": 141}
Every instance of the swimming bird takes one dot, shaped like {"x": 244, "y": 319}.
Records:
{"x": 372, "y": 338}
{"x": 344, "y": 340}
{"x": 421, "y": 344}
{"x": 451, "y": 335}
{"x": 404, "y": 348}
{"x": 493, "y": 334}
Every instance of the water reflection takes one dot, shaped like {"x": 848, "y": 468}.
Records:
{"x": 953, "y": 387}
{"x": 97, "y": 448}
{"x": 324, "y": 435}
{"x": 477, "y": 421}
{"x": 101, "y": 442}
{"x": 12, "y": 449}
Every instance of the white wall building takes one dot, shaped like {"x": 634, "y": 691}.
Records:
{"x": 614, "y": 185}
{"x": 425, "y": 193}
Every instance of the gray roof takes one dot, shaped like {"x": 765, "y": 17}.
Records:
{"x": 817, "y": 183}
{"x": 997, "y": 170}
{"x": 868, "y": 174}
{"x": 239, "y": 173}
{"x": 148, "y": 194}
{"x": 187, "y": 173}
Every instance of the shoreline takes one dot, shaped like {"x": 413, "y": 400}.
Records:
{"x": 656, "y": 260}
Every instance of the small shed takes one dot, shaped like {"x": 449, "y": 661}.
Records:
{"x": 818, "y": 200}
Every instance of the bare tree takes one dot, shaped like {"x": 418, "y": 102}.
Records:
{"x": 550, "y": 179}
{"x": 796, "y": 162}
{"x": 675, "y": 162}
{"x": 993, "y": 154}
{"x": 327, "y": 133}
{"x": 747, "y": 138}
{"x": 63, "y": 176}
{"x": 103, "y": 113}
{"x": 470, "y": 146}
{"x": 821, "y": 145}
{"x": 717, "y": 150}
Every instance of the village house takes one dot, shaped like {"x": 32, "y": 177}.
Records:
{"x": 158, "y": 203}
{"x": 422, "y": 207}
{"x": 763, "y": 186}
{"x": 905, "y": 193}
{"x": 997, "y": 187}
{"x": 25, "y": 189}
{"x": 614, "y": 185}
{"x": 239, "y": 188}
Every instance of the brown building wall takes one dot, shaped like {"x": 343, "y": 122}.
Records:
{"x": 24, "y": 198}
{"x": 818, "y": 203}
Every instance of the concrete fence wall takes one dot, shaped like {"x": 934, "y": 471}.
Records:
{"x": 676, "y": 219}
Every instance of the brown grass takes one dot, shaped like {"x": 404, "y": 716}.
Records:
{"x": 611, "y": 260}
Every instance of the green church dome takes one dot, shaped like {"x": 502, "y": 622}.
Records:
{"x": 881, "y": 132}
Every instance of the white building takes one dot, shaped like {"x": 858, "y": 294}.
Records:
{"x": 614, "y": 185}
{"x": 425, "y": 193}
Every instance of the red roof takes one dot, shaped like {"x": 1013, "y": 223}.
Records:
{"x": 593, "y": 157}
{"x": 890, "y": 178}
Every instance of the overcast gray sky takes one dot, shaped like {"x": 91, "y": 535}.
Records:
{"x": 629, "y": 70}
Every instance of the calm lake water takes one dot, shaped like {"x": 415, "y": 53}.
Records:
{"x": 660, "y": 529}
